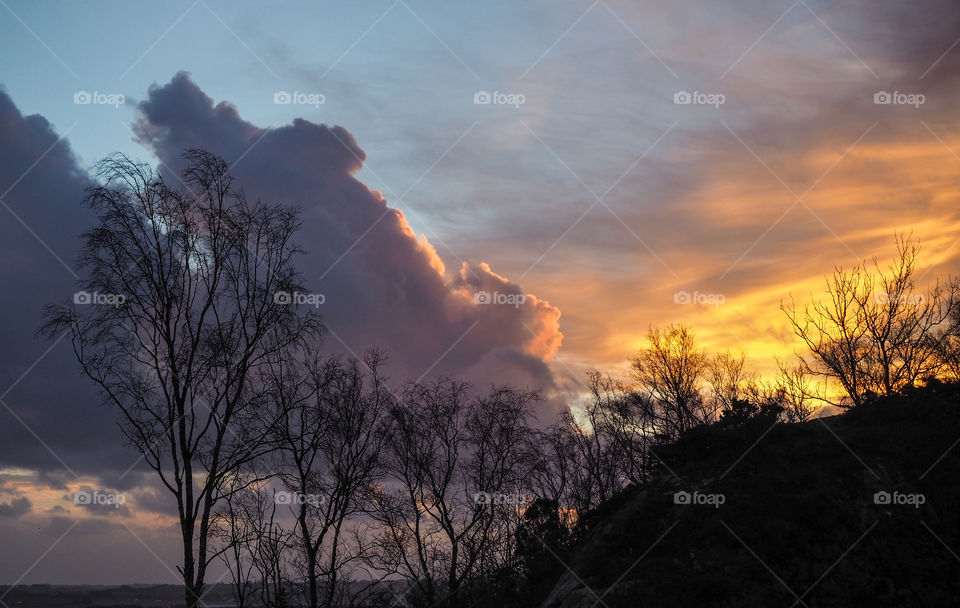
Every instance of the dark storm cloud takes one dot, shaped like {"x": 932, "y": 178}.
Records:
{"x": 50, "y": 417}
{"x": 390, "y": 290}
{"x": 383, "y": 285}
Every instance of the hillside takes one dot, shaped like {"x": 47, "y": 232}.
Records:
{"x": 792, "y": 521}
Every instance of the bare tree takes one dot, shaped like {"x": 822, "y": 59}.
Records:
{"x": 234, "y": 529}
{"x": 551, "y": 476}
{"x": 875, "y": 333}
{"x": 456, "y": 466}
{"x": 950, "y": 350}
{"x": 596, "y": 448}
{"x": 330, "y": 441}
{"x": 797, "y": 392}
{"x": 183, "y": 315}
{"x": 670, "y": 372}
{"x": 252, "y": 544}
{"x": 273, "y": 544}
{"x": 729, "y": 379}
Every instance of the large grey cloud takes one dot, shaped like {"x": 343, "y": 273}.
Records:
{"x": 384, "y": 286}
{"x": 50, "y": 417}
{"x": 388, "y": 290}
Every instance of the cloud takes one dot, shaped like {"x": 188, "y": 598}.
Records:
{"x": 50, "y": 420}
{"x": 703, "y": 211}
{"x": 101, "y": 501}
{"x": 384, "y": 285}
{"x": 389, "y": 289}
{"x": 121, "y": 557}
{"x": 15, "y": 508}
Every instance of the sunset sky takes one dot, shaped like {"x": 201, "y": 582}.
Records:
{"x": 814, "y": 132}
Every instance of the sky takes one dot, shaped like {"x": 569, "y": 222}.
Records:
{"x": 618, "y": 164}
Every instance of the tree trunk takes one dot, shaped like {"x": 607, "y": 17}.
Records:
{"x": 312, "y": 578}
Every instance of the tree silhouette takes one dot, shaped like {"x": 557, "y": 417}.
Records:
{"x": 329, "y": 446}
{"x": 191, "y": 277}
{"x": 457, "y": 464}
{"x": 670, "y": 371}
{"x": 875, "y": 333}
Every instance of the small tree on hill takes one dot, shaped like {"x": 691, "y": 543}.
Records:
{"x": 875, "y": 333}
